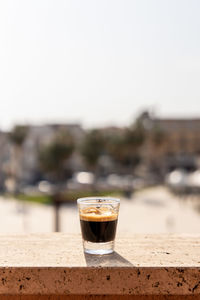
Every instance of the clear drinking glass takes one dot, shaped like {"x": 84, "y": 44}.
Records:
{"x": 98, "y": 219}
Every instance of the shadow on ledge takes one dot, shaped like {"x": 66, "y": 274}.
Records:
{"x": 108, "y": 260}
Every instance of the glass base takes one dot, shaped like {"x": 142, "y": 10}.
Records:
{"x": 98, "y": 248}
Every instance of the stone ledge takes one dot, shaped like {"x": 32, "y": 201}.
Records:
{"x": 54, "y": 264}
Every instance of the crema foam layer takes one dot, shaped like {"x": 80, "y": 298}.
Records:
{"x": 98, "y": 214}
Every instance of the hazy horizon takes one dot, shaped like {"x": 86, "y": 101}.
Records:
{"x": 98, "y": 63}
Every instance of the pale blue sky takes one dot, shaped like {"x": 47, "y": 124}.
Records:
{"x": 98, "y": 62}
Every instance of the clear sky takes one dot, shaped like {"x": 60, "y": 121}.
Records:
{"x": 98, "y": 62}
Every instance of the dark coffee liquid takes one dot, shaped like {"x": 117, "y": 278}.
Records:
{"x": 98, "y": 231}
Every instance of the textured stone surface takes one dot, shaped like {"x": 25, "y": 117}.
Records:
{"x": 99, "y": 297}
{"x": 54, "y": 264}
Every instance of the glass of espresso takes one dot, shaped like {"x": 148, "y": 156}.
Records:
{"x": 98, "y": 219}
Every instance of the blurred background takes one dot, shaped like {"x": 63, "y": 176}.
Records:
{"x": 100, "y": 98}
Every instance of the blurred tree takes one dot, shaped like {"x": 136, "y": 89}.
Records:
{"x": 115, "y": 147}
{"x": 124, "y": 147}
{"x": 52, "y": 162}
{"x": 92, "y": 147}
{"x": 17, "y": 137}
{"x": 53, "y": 156}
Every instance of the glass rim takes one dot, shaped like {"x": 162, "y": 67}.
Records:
{"x": 85, "y": 200}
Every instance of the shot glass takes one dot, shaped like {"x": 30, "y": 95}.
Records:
{"x": 98, "y": 220}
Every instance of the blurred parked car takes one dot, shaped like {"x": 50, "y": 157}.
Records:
{"x": 180, "y": 181}
{"x": 81, "y": 180}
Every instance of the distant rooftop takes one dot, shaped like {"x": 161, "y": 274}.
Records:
{"x": 178, "y": 124}
{"x": 170, "y": 124}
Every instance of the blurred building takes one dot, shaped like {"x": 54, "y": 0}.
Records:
{"x": 43, "y": 135}
{"x": 5, "y": 157}
{"x": 171, "y": 143}
{"x": 21, "y": 162}
{"x": 168, "y": 144}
